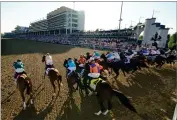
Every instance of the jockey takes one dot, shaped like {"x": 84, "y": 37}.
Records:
{"x": 128, "y": 57}
{"x": 96, "y": 62}
{"x": 96, "y": 55}
{"x": 158, "y": 52}
{"x": 94, "y": 73}
{"x": 19, "y": 68}
{"x": 153, "y": 52}
{"x": 71, "y": 66}
{"x": 145, "y": 51}
{"x": 49, "y": 61}
{"x": 109, "y": 56}
{"x": 116, "y": 56}
{"x": 82, "y": 62}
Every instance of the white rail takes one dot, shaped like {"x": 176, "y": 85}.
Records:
{"x": 175, "y": 113}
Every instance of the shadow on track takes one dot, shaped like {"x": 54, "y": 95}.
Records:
{"x": 15, "y": 46}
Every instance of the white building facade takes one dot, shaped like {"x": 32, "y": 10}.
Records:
{"x": 150, "y": 30}
{"x": 60, "y": 20}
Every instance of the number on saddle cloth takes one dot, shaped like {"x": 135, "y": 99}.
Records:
{"x": 94, "y": 82}
{"x": 47, "y": 70}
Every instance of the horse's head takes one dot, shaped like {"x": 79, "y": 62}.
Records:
{"x": 65, "y": 63}
{"x": 104, "y": 57}
{"x": 43, "y": 58}
{"x": 76, "y": 62}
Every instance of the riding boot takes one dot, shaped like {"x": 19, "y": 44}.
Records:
{"x": 15, "y": 82}
{"x": 91, "y": 90}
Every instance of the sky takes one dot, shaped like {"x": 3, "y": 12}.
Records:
{"x": 101, "y": 15}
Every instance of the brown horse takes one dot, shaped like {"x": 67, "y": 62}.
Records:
{"x": 23, "y": 83}
{"x": 53, "y": 75}
{"x": 73, "y": 80}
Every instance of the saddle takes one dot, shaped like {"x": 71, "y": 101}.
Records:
{"x": 22, "y": 75}
{"x": 48, "y": 69}
{"x": 27, "y": 81}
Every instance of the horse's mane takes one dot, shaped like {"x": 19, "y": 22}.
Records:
{"x": 43, "y": 58}
{"x": 65, "y": 62}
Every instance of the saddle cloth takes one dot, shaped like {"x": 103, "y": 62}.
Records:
{"x": 94, "y": 82}
{"x": 22, "y": 75}
{"x": 48, "y": 69}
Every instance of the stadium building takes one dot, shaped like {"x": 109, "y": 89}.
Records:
{"x": 60, "y": 21}
{"x": 37, "y": 26}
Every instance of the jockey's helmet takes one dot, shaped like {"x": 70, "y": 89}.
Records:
{"x": 48, "y": 54}
{"x": 69, "y": 58}
{"x": 18, "y": 60}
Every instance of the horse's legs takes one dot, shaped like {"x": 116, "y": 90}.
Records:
{"x": 31, "y": 98}
{"x": 85, "y": 86}
{"x": 52, "y": 82}
{"x": 30, "y": 92}
{"x": 23, "y": 98}
{"x": 44, "y": 74}
{"x": 59, "y": 81}
{"x": 102, "y": 108}
{"x": 134, "y": 69}
{"x": 109, "y": 105}
{"x": 123, "y": 72}
{"x": 116, "y": 71}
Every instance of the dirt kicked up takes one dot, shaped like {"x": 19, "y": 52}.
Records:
{"x": 152, "y": 91}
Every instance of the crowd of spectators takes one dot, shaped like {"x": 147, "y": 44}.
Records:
{"x": 95, "y": 40}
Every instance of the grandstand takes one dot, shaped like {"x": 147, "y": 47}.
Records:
{"x": 60, "y": 21}
{"x": 68, "y": 24}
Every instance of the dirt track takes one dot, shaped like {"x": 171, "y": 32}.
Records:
{"x": 152, "y": 91}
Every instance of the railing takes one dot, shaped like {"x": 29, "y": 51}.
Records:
{"x": 175, "y": 113}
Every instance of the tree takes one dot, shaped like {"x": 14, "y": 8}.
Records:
{"x": 17, "y": 29}
{"x": 155, "y": 38}
{"x": 97, "y": 30}
{"x": 172, "y": 42}
{"x": 140, "y": 37}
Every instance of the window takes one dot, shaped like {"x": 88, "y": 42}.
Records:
{"x": 74, "y": 25}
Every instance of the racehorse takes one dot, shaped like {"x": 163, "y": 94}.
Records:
{"x": 171, "y": 59}
{"x": 24, "y": 83}
{"x": 105, "y": 94}
{"x": 135, "y": 63}
{"x": 53, "y": 75}
{"x": 72, "y": 79}
{"x": 115, "y": 66}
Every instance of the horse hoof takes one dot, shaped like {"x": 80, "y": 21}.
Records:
{"x": 98, "y": 113}
{"x": 106, "y": 112}
{"x": 24, "y": 106}
{"x": 31, "y": 102}
{"x": 54, "y": 94}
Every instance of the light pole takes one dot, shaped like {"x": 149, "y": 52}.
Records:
{"x": 120, "y": 18}
{"x": 154, "y": 12}
{"x": 131, "y": 23}
{"x": 125, "y": 26}
{"x": 140, "y": 18}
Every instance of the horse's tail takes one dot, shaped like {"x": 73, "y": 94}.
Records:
{"x": 124, "y": 100}
{"x": 29, "y": 86}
